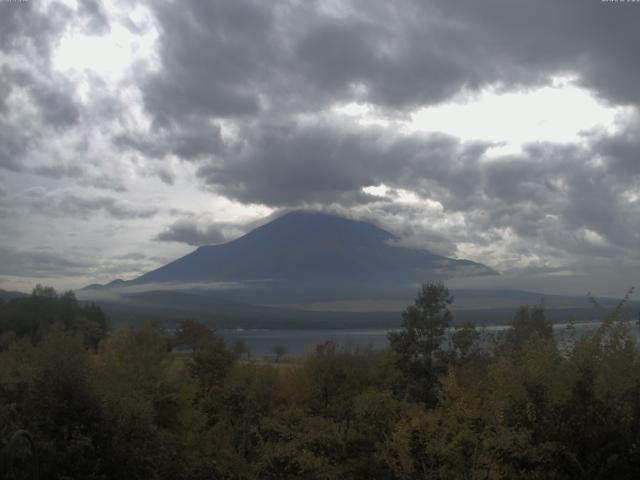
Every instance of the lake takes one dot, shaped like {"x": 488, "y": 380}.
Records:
{"x": 298, "y": 342}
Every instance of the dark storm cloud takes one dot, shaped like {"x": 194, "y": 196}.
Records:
{"x": 190, "y": 140}
{"x": 592, "y": 38}
{"x": 189, "y": 232}
{"x": 289, "y": 164}
{"x": 212, "y": 53}
{"x": 397, "y": 57}
{"x": 221, "y": 58}
{"x": 218, "y": 58}
{"x": 622, "y": 152}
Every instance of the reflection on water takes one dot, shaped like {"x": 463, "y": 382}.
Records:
{"x": 298, "y": 342}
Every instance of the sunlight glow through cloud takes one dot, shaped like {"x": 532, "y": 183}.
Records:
{"x": 109, "y": 56}
{"x": 556, "y": 113}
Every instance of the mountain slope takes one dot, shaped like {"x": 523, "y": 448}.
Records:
{"x": 311, "y": 247}
{"x": 296, "y": 259}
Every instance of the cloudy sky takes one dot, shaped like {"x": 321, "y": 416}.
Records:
{"x": 502, "y": 131}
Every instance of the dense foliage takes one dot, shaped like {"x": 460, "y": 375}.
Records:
{"x": 124, "y": 404}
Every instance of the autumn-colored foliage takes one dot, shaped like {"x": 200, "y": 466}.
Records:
{"x": 438, "y": 403}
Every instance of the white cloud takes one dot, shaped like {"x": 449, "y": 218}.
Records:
{"x": 560, "y": 113}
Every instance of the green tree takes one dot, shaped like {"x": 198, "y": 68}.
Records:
{"x": 60, "y": 408}
{"x": 33, "y": 316}
{"x": 212, "y": 362}
{"x": 464, "y": 342}
{"x": 148, "y": 396}
{"x": 192, "y": 335}
{"x": 417, "y": 347}
{"x": 528, "y": 323}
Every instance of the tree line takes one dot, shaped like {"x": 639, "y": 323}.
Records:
{"x": 105, "y": 404}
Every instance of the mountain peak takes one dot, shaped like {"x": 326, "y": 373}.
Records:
{"x": 310, "y": 226}
{"x": 311, "y": 215}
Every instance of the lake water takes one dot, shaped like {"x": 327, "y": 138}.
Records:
{"x": 298, "y": 342}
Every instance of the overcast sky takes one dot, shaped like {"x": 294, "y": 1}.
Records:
{"x": 506, "y": 132}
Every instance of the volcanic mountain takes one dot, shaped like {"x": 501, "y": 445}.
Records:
{"x": 309, "y": 270}
{"x": 303, "y": 256}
